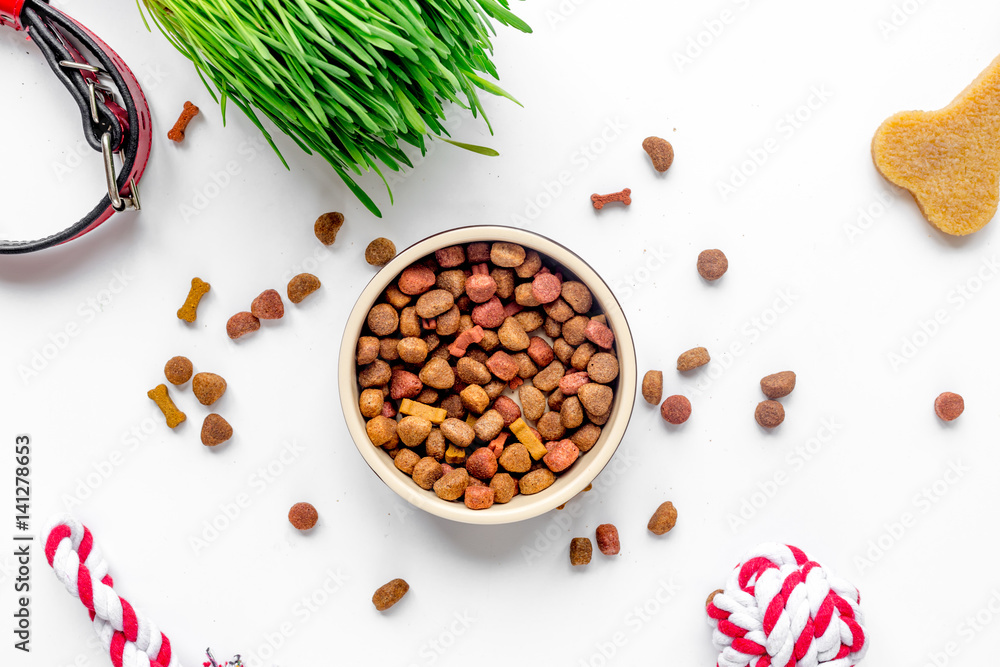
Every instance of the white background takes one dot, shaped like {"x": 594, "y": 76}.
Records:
{"x": 597, "y": 74}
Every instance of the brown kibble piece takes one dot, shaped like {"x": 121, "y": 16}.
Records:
{"x": 176, "y": 133}
{"x": 375, "y": 374}
{"x": 241, "y": 324}
{"x": 178, "y": 370}
{"x": 433, "y": 303}
{"x": 412, "y": 350}
{"x": 383, "y": 319}
{"x": 692, "y": 359}
{"x": 607, "y": 539}
{"x": 712, "y": 264}
{"x": 189, "y": 311}
{"x": 652, "y": 387}
{"x": 676, "y": 409}
{"x": 381, "y": 430}
{"x": 390, "y": 594}
{"x": 663, "y": 519}
{"x": 504, "y": 488}
{"x": 452, "y": 485}
{"x": 536, "y": 481}
{"x": 578, "y": 296}
{"x": 769, "y": 414}
{"x": 427, "y": 471}
{"x": 327, "y": 226}
{"x": 489, "y": 425}
{"x": 368, "y": 350}
{"x": 406, "y": 460}
{"x": 458, "y": 432}
{"x": 512, "y": 335}
{"x": 438, "y": 374}
{"x": 586, "y": 437}
{"x": 380, "y": 251}
{"x": 370, "y": 402}
{"x": 580, "y": 551}
{"x": 596, "y": 398}
{"x": 602, "y": 368}
{"x": 507, "y": 255}
{"x": 215, "y": 430}
{"x": 268, "y": 306}
{"x": 949, "y": 406}
{"x": 515, "y": 458}
{"x": 171, "y": 413}
{"x": 208, "y": 387}
{"x": 413, "y": 430}
{"x": 660, "y": 152}
{"x": 302, "y": 286}
{"x": 778, "y": 385}
{"x": 303, "y": 516}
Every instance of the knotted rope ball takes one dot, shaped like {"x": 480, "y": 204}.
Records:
{"x": 780, "y": 609}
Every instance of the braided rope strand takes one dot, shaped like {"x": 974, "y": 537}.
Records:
{"x": 131, "y": 639}
{"x": 781, "y": 609}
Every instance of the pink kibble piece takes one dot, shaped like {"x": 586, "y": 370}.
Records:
{"x": 404, "y": 384}
{"x": 570, "y": 384}
{"x": 502, "y": 365}
{"x": 416, "y": 280}
{"x": 388, "y": 410}
{"x": 599, "y": 334}
{"x": 607, "y": 539}
{"x": 241, "y": 324}
{"x": 477, "y": 253}
{"x": 561, "y": 455}
{"x": 268, "y": 306}
{"x": 450, "y": 257}
{"x": 540, "y": 352}
{"x": 479, "y": 497}
{"x": 480, "y": 288}
{"x": 508, "y": 409}
{"x": 546, "y": 287}
{"x": 489, "y": 315}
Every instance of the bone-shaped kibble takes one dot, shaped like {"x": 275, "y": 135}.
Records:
{"x": 189, "y": 311}
{"x": 948, "y": 159}
{"x": 160, "y": 396}
{"x": 625, "y": 197}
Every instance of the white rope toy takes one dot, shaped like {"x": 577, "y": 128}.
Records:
{"x": 131, "y": 639}
{"x": 780, "y": 609}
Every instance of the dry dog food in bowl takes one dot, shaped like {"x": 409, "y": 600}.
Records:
{"x": 487, "y": 374}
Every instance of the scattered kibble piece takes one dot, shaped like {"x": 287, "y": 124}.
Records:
{"x": 660, "y": 152}
{"x": 769, "y": 414}
{"x": 652, "y": 387}
{"x": 268, "y": 306}
{"x": 599, "y": 201}
{"x": 607, "y": 539}
{"x": 712, "y": 264}
{"x": 241, "y": 324}
{"x": 327, "y": 226}
{"x": 215, "y": 430}
{"x": 692, "y": 359}
{"x": 676, "y": 409}
{"x": 778, "y": 385}
{"x": 189, "y": 311}
{"x": 664, "y": 519}
{"x": 380, "y": 251}
{"x": 161, "y": 397}
{"x": 303, "y": 516}
{"x": 390, "y": 594}
{"x": 580, "y": 551}
{"x": 176, "y": 133}
{"x": 178, "y": 370}
{"x": 208, "y": 387}
{"x": 949, "y": 406}
{"x": 302, "y": 286}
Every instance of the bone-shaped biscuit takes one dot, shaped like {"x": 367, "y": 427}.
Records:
{"x": 949, "y": 159}
{"x": 625, "y": 197}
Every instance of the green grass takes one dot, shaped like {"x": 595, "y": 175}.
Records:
{"x": 352, "y": 80}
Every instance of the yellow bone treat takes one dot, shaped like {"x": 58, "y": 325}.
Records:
{"x": 948, "y": 159}
{"x": 162, "y": 399}
{"x": 523, "y": 433}
{"x": 434, "y": 415}
{"x": 454, "y": 456}
{"x": 189, "y": 311}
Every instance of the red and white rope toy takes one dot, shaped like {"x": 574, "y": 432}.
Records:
{"x": 130, "y": 638}
{"x": 780, "y": 609}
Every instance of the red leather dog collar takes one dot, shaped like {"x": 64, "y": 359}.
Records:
{"x": 97, "y": 78}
